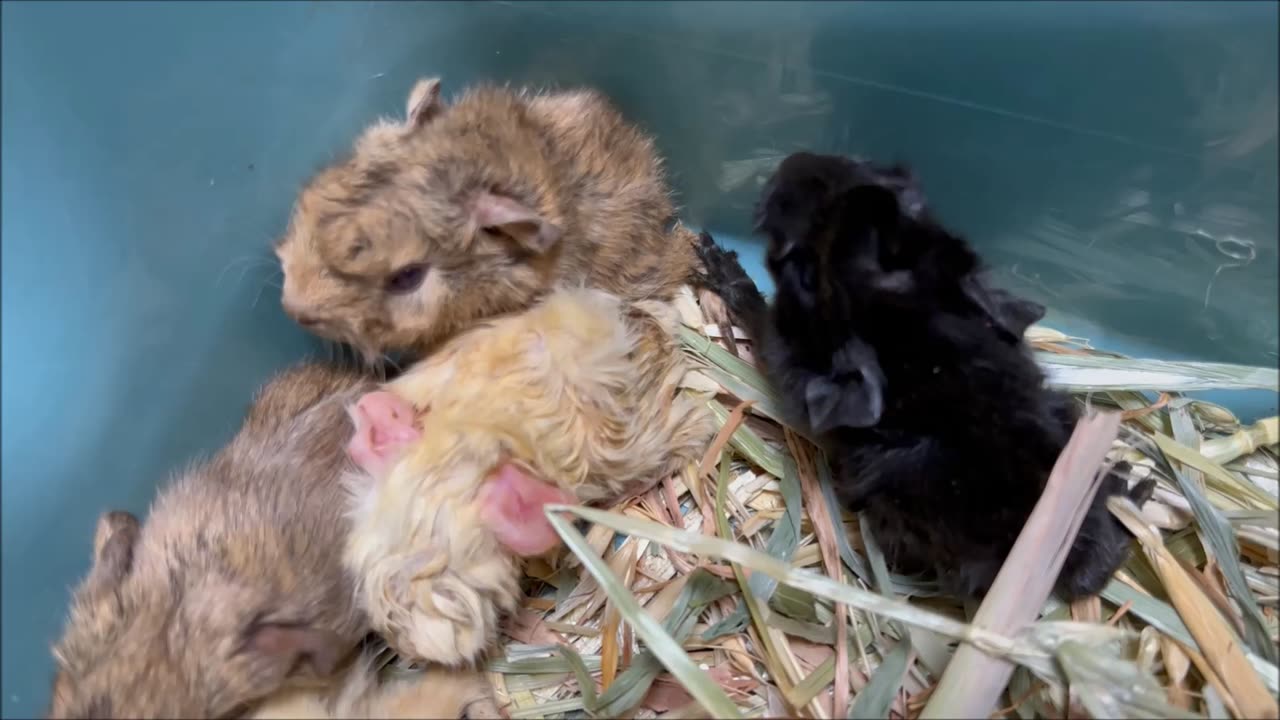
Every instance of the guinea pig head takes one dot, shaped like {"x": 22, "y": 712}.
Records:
{"x": 150, "y": 638}
{"x": 418, "y": 233}
{"x": 836, "y": 229}
{"x": 830, "y": 226}
{"x": 847, "y": 235}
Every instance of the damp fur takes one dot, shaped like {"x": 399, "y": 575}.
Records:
{"x": 580, "y": 391}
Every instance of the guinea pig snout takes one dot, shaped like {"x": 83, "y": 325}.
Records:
{"x": 300, "y": 313}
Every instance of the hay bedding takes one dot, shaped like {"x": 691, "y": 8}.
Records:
{"x": 1188, "y": 628}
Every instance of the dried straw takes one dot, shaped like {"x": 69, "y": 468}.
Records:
{"x": 741, "y": 588}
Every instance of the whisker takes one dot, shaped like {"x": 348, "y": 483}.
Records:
{"x": 245, "y": 261}
{"x": 258, "y": 295}
{"x": 264, "y": 264}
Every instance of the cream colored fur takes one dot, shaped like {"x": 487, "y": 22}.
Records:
{"x": 581, "y": 389}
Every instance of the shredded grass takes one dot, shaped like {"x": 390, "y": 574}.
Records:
{"x": 741, "y": 588}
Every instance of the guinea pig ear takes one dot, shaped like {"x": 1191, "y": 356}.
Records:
{"x": 501, "y": 214}
{"x": 796, "y": 275}
{"x": 287, "y": 646}
{"x": 852, "y": 395}
{"x": 424, "y": 102}
{"x": 1009, "y": 314}
{"x": 113, "y": 544}
{"x": 833, "y": 405}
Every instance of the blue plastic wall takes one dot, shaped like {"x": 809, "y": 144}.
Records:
{"x": 1109, "y": 158}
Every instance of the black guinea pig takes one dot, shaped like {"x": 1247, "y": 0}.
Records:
{"x": 886, "y": 343}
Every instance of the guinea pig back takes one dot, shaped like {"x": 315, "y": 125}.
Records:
{"x": 233, "y": 588}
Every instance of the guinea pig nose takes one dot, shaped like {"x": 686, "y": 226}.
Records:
{"x": 307, "y": 320}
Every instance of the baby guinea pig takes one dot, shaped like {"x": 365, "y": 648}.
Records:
{"x": 889, "y": 347}
{"x": 579, "y": 391}
{"x": 472, "y": 209}
{"x": 362, "y": 692}
{"x": 234, "y": 586}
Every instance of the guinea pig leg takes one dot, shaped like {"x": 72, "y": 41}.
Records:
{"x": 384, "y": 424}
{"x": 723, "y": 274}
{"x": 1103, "y": 542}
{"x": 511, "y": 504}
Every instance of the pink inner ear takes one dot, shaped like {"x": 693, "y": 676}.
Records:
{"x": 496, "y": 211}
{"x": 511, "y": 505}
{"x": 384, "y": 425}
{"x": 322, "y": 648}
{"x": 520, "y": 223}
{"x": 276, "y": 639}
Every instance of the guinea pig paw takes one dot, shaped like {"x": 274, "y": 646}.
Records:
{"x": 454, "y": 639}
{"x": 1142, "y": 491}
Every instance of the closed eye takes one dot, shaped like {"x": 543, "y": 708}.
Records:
{"x": 407, "y": 279}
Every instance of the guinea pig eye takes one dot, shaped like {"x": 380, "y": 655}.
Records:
{"x": 407, "y": 278}
{"x": 798, "y": 275}
{"x": 804, "y": 270}
{"x": 808, "y": 275}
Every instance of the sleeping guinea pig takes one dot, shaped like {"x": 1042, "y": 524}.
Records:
{"x": 233, "y": 588}
{"x": 574, "y": 400}
{"x": 472, "y": 209}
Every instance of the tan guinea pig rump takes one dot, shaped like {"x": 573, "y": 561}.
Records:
{"x": 365, "y": 691}
{"x": 573, "y": 400}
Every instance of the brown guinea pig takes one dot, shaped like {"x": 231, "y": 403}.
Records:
{"x": 578, "y": 395}
{"x": 465, "y": 211}
{"x": 233, "y": 587}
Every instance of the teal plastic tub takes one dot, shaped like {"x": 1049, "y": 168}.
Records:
{"x": 1116, "y": 161}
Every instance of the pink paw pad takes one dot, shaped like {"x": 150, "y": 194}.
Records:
{"x": 385, "y": 424}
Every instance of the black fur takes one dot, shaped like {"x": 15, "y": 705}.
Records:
{"x": 885, "y": 342}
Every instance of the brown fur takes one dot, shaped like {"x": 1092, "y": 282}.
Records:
{"x": 234, "y": 587}
{"x": 361, "y": 692}
{"x": 409, "y": 193}
{"x": 581, "y": 390}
